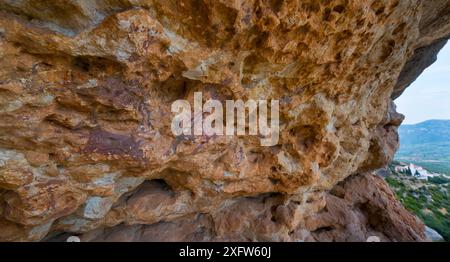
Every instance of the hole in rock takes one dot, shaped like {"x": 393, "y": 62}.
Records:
{"x": 275, "y": 181}
{"x": 82, "y": 63}
{"x": 339, "y": 8}
{"x": 374, "y": 216}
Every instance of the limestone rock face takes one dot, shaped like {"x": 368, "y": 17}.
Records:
{"x": 86, "y": 89}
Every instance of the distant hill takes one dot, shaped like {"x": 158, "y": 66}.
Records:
{"x": 426, "y": 144}
{"x": 430, "y": 131}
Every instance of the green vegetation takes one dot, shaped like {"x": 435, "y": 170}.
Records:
{"x": 426, "y": 144}
{"x": 428, "y": 199}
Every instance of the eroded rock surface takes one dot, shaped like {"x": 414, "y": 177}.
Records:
{"x": 86, "y": 89}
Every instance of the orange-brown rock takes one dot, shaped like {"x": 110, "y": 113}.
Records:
{"x": 86, "y": 89}
{"x": 356, "y": 209}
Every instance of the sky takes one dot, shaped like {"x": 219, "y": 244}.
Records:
{"x": 429, "y": 96}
